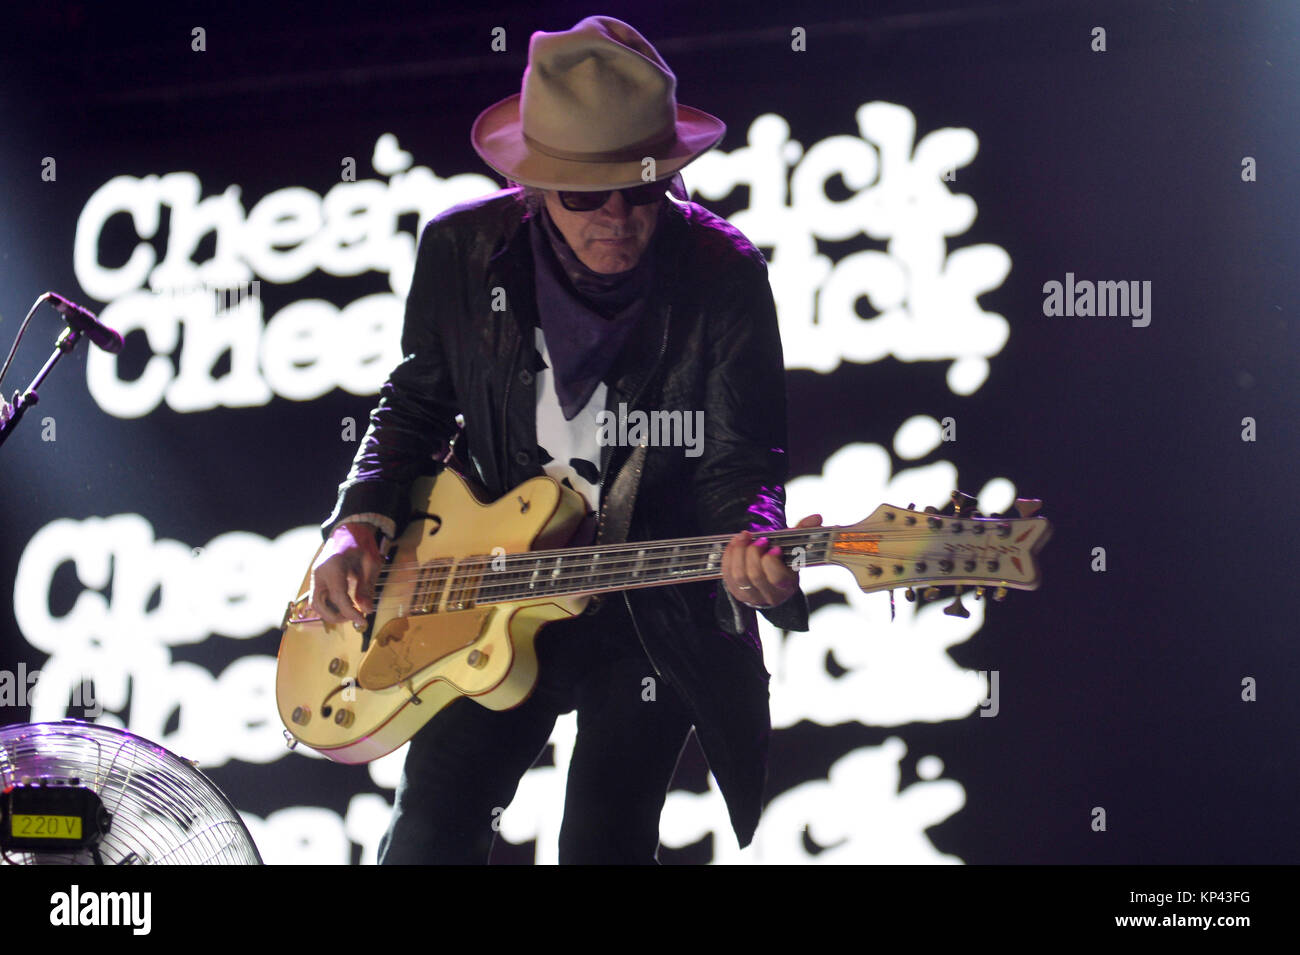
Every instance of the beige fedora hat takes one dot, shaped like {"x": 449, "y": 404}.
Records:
{"x": 596, "y": 101}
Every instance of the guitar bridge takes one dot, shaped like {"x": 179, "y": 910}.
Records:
{"x": 299, "y": 611}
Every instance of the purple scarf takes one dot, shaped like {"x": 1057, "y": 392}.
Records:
{"x": 586, "y": 316}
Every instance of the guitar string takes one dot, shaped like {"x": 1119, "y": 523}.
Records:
{"x": 516, "y": 578}
{"x": 501, "y": 594}
{"x": 706, "y": 544}
{"x": 500, "y": 589}
{"x": 633, "y": 547}
{"x": 526, "y": 566}
{"x": 463, "y": 589}
{"x": 581, "y": 561}
{"x": 521, "y": 568}
{"x": 480, "y": 571}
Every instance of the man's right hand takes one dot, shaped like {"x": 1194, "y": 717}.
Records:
{"x": 343, "y": 577}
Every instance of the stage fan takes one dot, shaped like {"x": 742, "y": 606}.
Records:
{"x": 82, "y": 794}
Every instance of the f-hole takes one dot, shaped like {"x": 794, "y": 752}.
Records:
{"x": 433, "y": 519}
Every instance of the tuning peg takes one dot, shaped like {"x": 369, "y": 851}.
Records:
{"x": 1000, "y": 594}
{"x": 910, "y": 594}
{"x": 979, "y": 593}
{"x": 961, "y": 503}
{"x": 955, "y": 609}
{"x": 930, "y": 593}
{"x": 1028, "y": 506}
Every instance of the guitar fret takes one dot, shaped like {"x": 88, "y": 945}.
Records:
{"x": 515, "y": 584}
{"x": 714, "y": 558}
{"x": 476, "y": 580}
{"x": 457, "y": 589}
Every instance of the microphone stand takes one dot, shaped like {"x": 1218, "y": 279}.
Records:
{"x": 11, "y": 414}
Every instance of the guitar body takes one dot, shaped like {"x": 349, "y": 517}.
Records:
{"x": 354, "y": 696}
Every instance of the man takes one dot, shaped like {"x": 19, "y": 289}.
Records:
{"x": 532, "y": 311}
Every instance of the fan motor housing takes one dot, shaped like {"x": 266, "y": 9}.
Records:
{"x": 51, "y": 814}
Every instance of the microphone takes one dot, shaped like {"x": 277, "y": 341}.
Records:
{"x": 82, "y": 320}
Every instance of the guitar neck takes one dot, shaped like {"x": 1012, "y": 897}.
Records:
{"x": 578, "y": 571}
{"x": 894, "y": 547}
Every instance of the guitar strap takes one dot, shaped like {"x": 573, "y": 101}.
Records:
{"x": 616, "y": 509}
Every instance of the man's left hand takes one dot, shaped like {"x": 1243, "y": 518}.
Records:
{"x": 755, "y": 574}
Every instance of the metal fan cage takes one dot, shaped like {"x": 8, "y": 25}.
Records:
{"x": 164, "y": 811}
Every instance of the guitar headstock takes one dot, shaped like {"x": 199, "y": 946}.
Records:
{"x": 900, "y": 547}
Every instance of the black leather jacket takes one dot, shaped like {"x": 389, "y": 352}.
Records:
{"x": 708, "y": 341}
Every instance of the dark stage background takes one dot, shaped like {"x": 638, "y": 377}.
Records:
{"x": 154, "y": 528}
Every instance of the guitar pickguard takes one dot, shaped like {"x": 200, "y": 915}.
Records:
{"x": 406, "y": 645}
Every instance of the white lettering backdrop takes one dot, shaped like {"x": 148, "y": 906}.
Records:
{"x": 166, "y": 593}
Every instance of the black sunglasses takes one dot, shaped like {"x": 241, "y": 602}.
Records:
{"x": 633, "y": 196}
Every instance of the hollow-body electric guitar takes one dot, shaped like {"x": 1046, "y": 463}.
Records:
{"x": 469, "y": 583}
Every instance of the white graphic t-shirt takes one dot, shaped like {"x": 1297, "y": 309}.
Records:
{"x": 568, "y": 450}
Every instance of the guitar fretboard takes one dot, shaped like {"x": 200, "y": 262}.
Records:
{"x": 447, "y": 585}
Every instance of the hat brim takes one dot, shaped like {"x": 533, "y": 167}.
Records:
{"x": 497, "y": 137}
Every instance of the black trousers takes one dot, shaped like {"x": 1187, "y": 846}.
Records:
{"x": 464, "y": 766}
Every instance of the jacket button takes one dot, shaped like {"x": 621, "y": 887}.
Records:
{"x": 526, "y": 377}
{"x": 522, "y": 457}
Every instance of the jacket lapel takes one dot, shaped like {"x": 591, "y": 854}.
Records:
{"x": 507, "y": 344}
{"x": 510, "y": 268}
